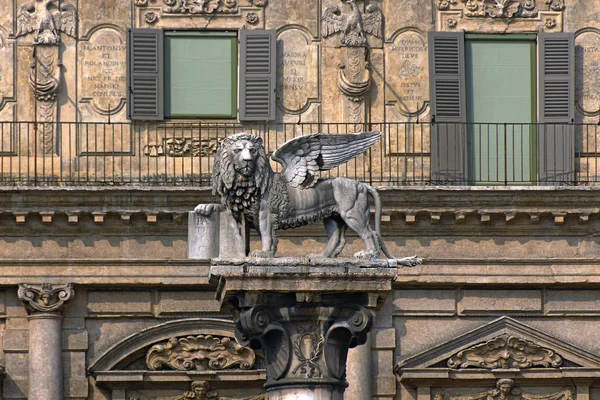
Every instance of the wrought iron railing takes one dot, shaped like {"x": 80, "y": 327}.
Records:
{"x": 182, "y": 154}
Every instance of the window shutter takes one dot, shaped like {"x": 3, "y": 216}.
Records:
{"x": 145, "y": 74}
{"x": 257, "y": 75}
{"x": 556, "y": 136}
{"x": 447, "y": 94}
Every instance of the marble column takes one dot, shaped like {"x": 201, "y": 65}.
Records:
{"x": 305, "y": 340}
{"x": 44, "y": 304}
{"x": 359, "y": 372}
{"x": 305, "y": 315}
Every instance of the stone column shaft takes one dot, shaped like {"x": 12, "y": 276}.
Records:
{"x": 358, "y": 373}
{"x": 44, "y": 304}
{"x": 45, "y": 357}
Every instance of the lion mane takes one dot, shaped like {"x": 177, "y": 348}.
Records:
{"x": 241, "y": 194}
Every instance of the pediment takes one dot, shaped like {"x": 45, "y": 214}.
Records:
{"x": 503, "y": 344}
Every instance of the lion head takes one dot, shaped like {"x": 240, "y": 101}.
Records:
{"x": 241, "y": 172}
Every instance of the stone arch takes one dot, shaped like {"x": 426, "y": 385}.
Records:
{"x": 135, "y": 346}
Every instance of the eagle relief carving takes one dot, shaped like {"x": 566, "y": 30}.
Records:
{"x": 46, "y": 18}
{"x": 353, "y": 23}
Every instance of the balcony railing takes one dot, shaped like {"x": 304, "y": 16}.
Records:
{"x": 182, "y": 154}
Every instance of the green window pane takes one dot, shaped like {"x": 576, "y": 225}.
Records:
{"x": 500, "y": 83}
{"x": 200, "y": 76}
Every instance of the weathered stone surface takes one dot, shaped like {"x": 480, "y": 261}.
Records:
{"x": 297, "y": 65}
{"x": 500, "y": 300}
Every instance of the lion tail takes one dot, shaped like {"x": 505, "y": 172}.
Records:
{"x": 377, "y": 201}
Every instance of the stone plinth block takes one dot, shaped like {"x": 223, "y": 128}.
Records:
{"x": 305, "y": 314}
{"x": 203, "y": 234}
{"x": 212, "y": 232}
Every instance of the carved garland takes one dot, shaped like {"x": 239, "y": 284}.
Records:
{"x": 199, "y": 353}
{"x": 506, "y": 352}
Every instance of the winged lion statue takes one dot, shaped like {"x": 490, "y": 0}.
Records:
{"x": 268, "y": 201}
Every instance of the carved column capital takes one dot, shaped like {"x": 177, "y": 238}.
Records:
{"x": 45, "y": 298}
{"x": 304, "y": 341}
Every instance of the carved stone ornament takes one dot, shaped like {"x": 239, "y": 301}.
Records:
{"x": 200, "y": 353}
{"x": 46, "y": 19}
{"x": 200, "y": 390}
{"x": 182, "y": 147}
{"x": 501, "y": 8}
{"x": 308, "y": 342}
{"x": 505, "y": 390}
{"x": 199, "y": 6}
{"x": 243, "y": 178}
{"x": 45, "y": 297}
{"x": 353, "y": 24}
{"x": 506, "y": 352}
{"x": 519, "y": 15}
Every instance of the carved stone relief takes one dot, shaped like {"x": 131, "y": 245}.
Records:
{"x": 199, "y": 390}
{"x": 500, "y": 15}
{"x": 182, "y": 147}
{"x": 46, "y": 19}
{"x": 587, "y": 64}
{"x": 44, "y": 80}
{"x": 248, "y": 12}
{"x": 200, "y": 353}
{"x": 45, "y": 297}
{"x": 103, "y": 70}
{"x": 504, "y": 390}
{"x": 352, "y": 23}
{"x": 407, "y": 72}
{"x": 506, "y": 352}
{"x": 297, "y": 70}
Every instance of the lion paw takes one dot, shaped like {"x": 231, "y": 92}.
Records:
{"x": 207, "y": 209}
{"x": 261, "y": 254}
{"x": 409, "y": 261}
{"x": 367, "y": 255}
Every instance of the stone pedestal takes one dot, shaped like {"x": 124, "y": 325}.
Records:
{"x": 212, "y": 231}
{"x": 44, "y": 304}
{"x": 305, "y": 315}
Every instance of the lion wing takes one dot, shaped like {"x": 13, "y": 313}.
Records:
{"x": 303, "y": 157}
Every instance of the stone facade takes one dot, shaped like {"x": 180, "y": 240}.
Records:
{"x": 95, "y": 282}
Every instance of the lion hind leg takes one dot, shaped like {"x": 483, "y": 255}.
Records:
{"x": 356, "y": 215}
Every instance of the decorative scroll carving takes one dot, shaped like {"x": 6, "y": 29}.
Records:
{"x": 200, "y": 390}
{"x": 505, "y": 390}
{"x": 199, "y": 6}
{"x": 545, "y": 13}
{"x": 181, "y": 147}
{"x": 200, "y": 353}
{"x": 46, "y": 19}
{"x": 353, "y": 24}
{"x": 506, "y": 352}
{"x": 45, "y": 297}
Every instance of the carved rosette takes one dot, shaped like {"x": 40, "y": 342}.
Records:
{"x": 199, "y": 353}
{"x": 45, "y": 298}
{"x": 506, "y": 352}
{"x": 307, "y": 342}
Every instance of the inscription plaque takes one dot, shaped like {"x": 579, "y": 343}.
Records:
{"x": 103, "y": 71}
{"x": 407, "y": 74}
{"x": 587, "y": 50}
{"x": 297, "y": 64}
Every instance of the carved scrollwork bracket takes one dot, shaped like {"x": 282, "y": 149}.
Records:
{"x": 45, "y": 298}
{"x": 200, "y": 353}
{"x": 506, "y": 352}
{"x": 305, "y": 342}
